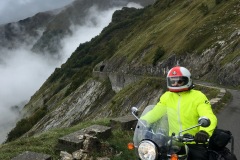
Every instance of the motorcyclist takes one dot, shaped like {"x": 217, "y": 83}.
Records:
{"x": 186, "y": 106}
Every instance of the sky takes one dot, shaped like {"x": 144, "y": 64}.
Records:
{"x": 22, "y": 72}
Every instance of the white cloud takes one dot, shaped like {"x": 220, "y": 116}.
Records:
{"x": 94, "y": 24}
{"x": 134, "y": 5}
{"x": 22, "y": 73}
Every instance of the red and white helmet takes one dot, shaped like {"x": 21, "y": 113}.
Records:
{"x": 179, "y": 75}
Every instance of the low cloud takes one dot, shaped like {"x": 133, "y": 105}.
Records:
{"x": 94, "y": 24}
{"x": 134, "y": 5}
{"x": 22, "y": 73}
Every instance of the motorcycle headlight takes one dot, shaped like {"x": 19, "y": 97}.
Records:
{"x": 147, "y": 150}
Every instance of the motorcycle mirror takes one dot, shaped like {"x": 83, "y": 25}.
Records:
{"x": 204, "y": 121}
{"x": 134, "y": 110}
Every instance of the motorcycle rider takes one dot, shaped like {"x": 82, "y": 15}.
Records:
{"x": 186, "y": 106}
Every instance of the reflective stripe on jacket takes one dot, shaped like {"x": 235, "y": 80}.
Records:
{"x": 183, "y": 110}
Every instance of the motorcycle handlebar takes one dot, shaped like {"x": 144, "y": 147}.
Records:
{"x": 187, "y": 138}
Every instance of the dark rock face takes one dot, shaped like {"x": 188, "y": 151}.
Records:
{"x": 12, "y": 35}
{"x": 84, "y": 139}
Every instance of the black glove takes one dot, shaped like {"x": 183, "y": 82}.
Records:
{"x": 201, "y": 137}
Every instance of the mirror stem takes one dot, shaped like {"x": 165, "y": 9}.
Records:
{"x": 189, "y": 129}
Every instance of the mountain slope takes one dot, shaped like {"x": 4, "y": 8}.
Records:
{"x": 25, "y": 31}
{"x": 195, "y": 34}
{"x": 127, "y": 63}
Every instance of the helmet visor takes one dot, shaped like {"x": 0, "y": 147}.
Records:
{"x": 177, "y": 81}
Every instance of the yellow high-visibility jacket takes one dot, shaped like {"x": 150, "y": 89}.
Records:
{"x": 183, "y": 110}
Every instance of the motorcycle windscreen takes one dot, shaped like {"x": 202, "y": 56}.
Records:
{"x": 157, "y": 132}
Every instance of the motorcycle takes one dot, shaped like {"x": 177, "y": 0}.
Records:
{"x": 153, "y": 142}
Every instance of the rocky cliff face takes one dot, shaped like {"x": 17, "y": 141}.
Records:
{"x": 209, "y": 65}
{"x": 98, "y": 99}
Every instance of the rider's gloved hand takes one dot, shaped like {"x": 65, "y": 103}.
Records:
{"x": 201, "y": 137}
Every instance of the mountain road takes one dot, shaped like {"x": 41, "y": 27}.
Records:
{"x": 229, "y": 119}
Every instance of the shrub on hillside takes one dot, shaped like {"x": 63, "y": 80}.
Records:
{"x": 158, "y": 54}
{"x": 218, "y": 1}
{"x": 25, "y": 124}
{"x": 203, "y": 8}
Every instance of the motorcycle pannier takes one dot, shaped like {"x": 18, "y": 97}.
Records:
{"x": 217, "y": 145}
{"x": 219, "y": 139}
{"x": 224, "y": 154}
